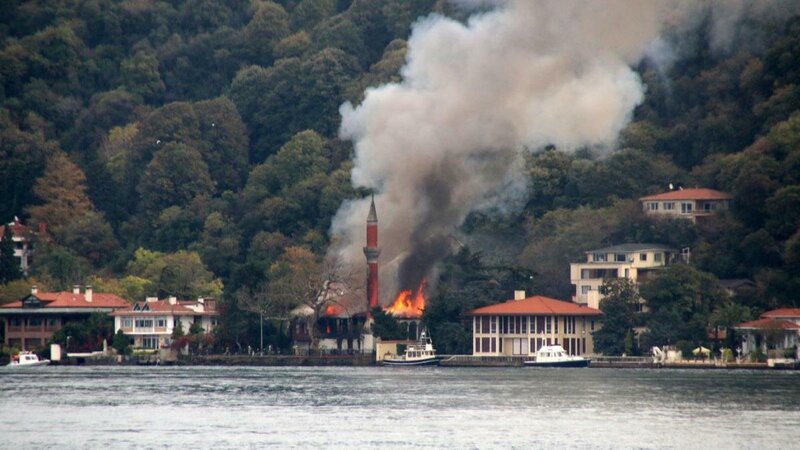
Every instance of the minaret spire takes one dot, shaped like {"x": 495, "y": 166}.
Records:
{"x": 372, "y": 251}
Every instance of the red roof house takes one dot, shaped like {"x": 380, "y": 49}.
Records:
{"x": 521, "y": 327}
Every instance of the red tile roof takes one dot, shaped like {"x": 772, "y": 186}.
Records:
{"x": 70, "y": 300}
{"x": 782, "y": 312}
{"x": 17, "y": 229}
{"x": 162, "y": 307}
{"x": 690, "y": 194}
{"x": 769, "y": 323}
{"x": 536, "y": 305}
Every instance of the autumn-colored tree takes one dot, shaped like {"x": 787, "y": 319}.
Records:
{"x": 301, "y": 278}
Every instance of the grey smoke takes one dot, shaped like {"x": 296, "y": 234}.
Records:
{"x": 448, "y": 139}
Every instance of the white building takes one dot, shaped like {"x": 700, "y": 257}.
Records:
{"x": 520, "y": 327}
{"x": 152, "y": 323}
{"x": 774, "y": 333}
{"x": 686, "y": 203}
{"x": 631, "y": 261}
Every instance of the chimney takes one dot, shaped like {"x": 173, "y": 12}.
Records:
{"x": 201, "y": 303}
{"x": 34, "y": 289}
{"x": 151, "y": 299}
{"x": 172, "y": 300}
{"x": 89, "y": 292}
{"x": 519, "y": 295}
{"x": 76, "y": 289}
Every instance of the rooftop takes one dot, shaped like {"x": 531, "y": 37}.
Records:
{"x": 536, "y": 305}
{"x": 67, "y": 300}
{"x": 690, "y": 194}
{"x": 768, "y": 323}
{"x": 161, "y": 307}
{"x": 782, "y": 312}
{"x": 632, "y": 248}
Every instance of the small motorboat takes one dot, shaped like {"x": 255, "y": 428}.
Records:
{"x": 27, "y": 359}
{"x": 555, "y": 356}
{"x": 419, "y": 354}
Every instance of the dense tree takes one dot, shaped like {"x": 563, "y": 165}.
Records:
{"x": 618, "y": 306}
{"x": 9, "y": 268}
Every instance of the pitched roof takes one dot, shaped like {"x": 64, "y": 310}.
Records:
{"x": 69, "y": 300}
{"x": 782, "y": 312}
{"x": 161, "y": 307}
{"x": 769, "y": 323}
{"x": 627, "y": 248}
{"x": 690, "y": 194}
{"x": 18, "y": 230}
{"x": 536, "y": 305}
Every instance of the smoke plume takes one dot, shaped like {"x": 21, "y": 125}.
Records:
{"x": 448, "y": 139}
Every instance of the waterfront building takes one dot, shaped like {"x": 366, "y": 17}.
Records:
{"x": 338, "y": 330}
{"x": 520, "y": 327}
{"x": 31, "y": 321}
{"x": 23, "y": 248}
{"x": 772, "y": 334}
{"x": 689, "y": 204}
{"x": 632, "y": 261}
{"x": 151, "y": 323}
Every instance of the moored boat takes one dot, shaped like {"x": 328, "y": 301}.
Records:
{"x": 555, "y": 356}
{"x": 27, "y": 359}
{"x": 420, "y": 354}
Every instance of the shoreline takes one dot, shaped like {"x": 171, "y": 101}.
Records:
{"x": 367, "y": 360}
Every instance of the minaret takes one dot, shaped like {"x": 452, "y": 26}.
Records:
{"x": 371, "y": 251}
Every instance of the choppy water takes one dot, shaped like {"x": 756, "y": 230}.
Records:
{"x": 374, "y": 407}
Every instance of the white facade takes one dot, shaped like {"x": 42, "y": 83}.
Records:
{"x": 152, "y": 323}
{"x": 629, "y": 261}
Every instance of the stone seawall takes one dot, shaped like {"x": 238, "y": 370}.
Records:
{"x": 279, "y": 360}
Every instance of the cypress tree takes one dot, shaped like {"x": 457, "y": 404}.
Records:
{"x": 9, "y": 269}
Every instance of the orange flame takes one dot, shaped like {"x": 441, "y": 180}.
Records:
{"x": 409, "y": 303}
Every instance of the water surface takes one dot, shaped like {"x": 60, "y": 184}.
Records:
{"x": 377, "y": 407}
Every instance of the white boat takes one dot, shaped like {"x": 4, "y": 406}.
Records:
{"x": 419, "y": 354}
{"x": 27, "y": 359}
{"x": 555, "y": 356}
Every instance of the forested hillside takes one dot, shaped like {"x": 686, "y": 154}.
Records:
{"x": 181, "y": 146}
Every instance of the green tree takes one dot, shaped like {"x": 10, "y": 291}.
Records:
{"x": 121, "y": 343}
{"x": 9, "y": 269}
{"x": 164, "y": 185}
{"x": 386, "y": 326}
{"x": 140, "y": 76}
{"x": 618, "y": 306}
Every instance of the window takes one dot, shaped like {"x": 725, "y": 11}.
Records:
{"x": 709, "y": 206}
{"x": 485, "y": 324}
{"x": 524, "y": 325}
{"x": 15, "y": 322}
{"x": 555, "y": 320}
{"x": 652, "y": 206}
{"x": 620, "y": 257}
{"x": 686, "y": 208}
{"x": 34, "y": 322}
{"x": 52, "y": 323}
{"x": 493, "y": 321}
{"x": 669, "y": 206}
{"x": 642, "y": 256}
{"x": 585, "y": 289}
{"x": 150, "y": 341}
{"x": 477, "y": 345}
{"x": 592, "y": 325}
{"x": 485, "y": 345}
{"x": 599, "y": 257}
{"x": 127, "y": 322}
{"x": 144, "y": 323}
{"x": 657, "y": 257}
{"x": 547, "y": 326}
{"x": 161, "y": 322}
